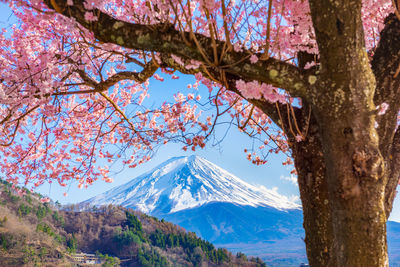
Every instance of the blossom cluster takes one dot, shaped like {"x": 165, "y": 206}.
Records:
{"x": 57, "y": 122}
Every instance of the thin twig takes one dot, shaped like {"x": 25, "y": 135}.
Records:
{"x": 265, "y": 56}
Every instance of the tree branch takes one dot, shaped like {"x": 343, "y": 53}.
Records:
{"x": 385, "y": 65}
{"x": 214, "y": 74}
{"x": 394, "y": 173}
{"x": 385, "y": 62}
{"x": 140, "y": 77}
{"x": 164, "y": 38}
{"x": 149, "y": 69}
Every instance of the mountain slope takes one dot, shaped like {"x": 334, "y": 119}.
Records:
{"x": 186, "y": 182}
{"x": 223, "y": 223}
{"x": 37, "y": 234}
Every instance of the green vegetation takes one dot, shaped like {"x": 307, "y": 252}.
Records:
{"x": 3, "y": 221}
{"x": 42, "y": 211}
{"x": 29, "y": 254}
{"x": 28, "y": 198}
{"x": 42, "y": 253}
{"x": 13, "y": 198}
{"x": 133, "y": 234}
{"x": 109, "y": 261}
{"x": 196, "y": 249}
{"x": 189, "y": 242}
{"x": 43, "y": 227}
{"x": 133, "y": 222}
{"x": 33, "y": 256}
{"x": 24, "y": 210}
{"x": 58, "y": 219}
{"x": 258, "y": 261}
{"x": 241, "y": 255}
{"x": 6, "y": 241}
{"x": 115, "y": 232}
{"x": 151, "y": 258}
{"x": 126, "y": 237}
{"x": 72, "y": 244}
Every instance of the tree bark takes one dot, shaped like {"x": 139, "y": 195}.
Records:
{"x": 345, "y": 111}
{"x": 317, "y": 219}
{"x": 393, "y": 169}
{"x": 342, "y": 188}
{"x": 344, "y": 204}
{"x": 385, "y": 63}
{"x": 356, "y": 177}
{"x": 356, "y": 193}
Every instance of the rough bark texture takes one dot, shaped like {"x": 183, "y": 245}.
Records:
{"x": 313, "y": 187}
{"x": 385, "y": 64}
{"x": 344, "y": 106}
{"x": 348, "y": 163}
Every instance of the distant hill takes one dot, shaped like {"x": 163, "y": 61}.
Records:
{"x": 34, "y": 233}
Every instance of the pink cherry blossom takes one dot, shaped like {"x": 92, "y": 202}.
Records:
{"x": 58, "y": 126}
{"x": 382, "y": 108}
{"x": 253, "y": 59}
{"x": 45, "y": 200}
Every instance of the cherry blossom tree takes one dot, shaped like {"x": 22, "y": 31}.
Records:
{"x": 326, "y": 73}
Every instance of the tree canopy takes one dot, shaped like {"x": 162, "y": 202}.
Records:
{"x": 71, "y": 92}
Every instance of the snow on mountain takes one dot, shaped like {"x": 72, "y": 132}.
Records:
{"x": 187, "y": 182}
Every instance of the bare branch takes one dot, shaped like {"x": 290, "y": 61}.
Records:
{"x": 140, "y": 77}
{"x": 394, "y": 173}
{"x": 385, "y": 62}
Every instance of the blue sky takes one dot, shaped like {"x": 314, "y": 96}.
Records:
{"x": 228, "y": 154}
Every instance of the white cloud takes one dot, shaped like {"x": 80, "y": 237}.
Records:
{"x": 265, "y": 189}
{"x": 274, "y": 190}
{"x": 291, "y": 179}
{"x": 295, "y": 199}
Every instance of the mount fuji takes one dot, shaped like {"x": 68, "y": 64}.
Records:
{"x": 187, "y": 182}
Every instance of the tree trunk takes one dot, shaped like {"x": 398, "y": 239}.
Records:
{"x": 360, "y": 231}
{"x": 317, "y": 220}
{"x": 356, "y": 179}
{"x": 358, "y": 217}
{"x": 343, "y": 103}
{"x": 342, "y": 188}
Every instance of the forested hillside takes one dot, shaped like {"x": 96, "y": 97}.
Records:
{"x": 33, "y": 233}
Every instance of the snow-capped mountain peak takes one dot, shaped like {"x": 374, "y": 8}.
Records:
{"x": 187, "y": 182}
